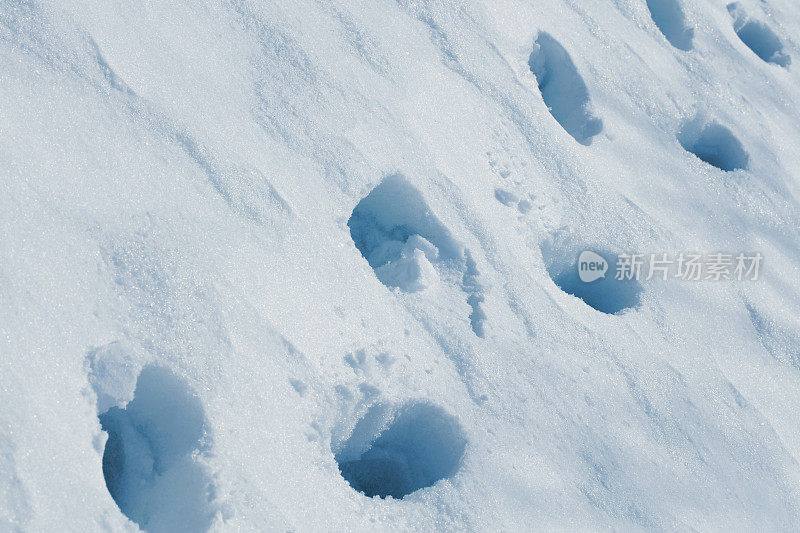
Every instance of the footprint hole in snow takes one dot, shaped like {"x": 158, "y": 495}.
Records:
{"x": 397, "y": 234}
{"x": 410, "y": 249}
{"x": 714, "y": 144}
{"x": 149, "y": 462}
{"x": 398, "y": 451}
{"x": 670, "y": 19}
{"x": 563, "y": 89}
{"x": 606, "y": 294}
{"x": 759, "y": 37}
{"x": 505, "y": 197}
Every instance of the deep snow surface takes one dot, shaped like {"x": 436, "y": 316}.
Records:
{"x": 262, "y": 260}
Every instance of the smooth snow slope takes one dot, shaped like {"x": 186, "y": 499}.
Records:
{"x": 179, "y": 182}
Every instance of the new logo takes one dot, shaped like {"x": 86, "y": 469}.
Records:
{"x": 591, "y": 266}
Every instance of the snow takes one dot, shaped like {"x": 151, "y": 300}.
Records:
{"x": 262, "y": 261}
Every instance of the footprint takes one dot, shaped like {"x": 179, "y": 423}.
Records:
{"x": 606, "y": 294}
{"x": 524, "y": 206}
{"x": 714, "y": 144}
{"x": 475, "y": 298}
{"x": 758, "y": 37}
{"x": 563, "y": 89}
{"x": 501, "y": 169}
{"x": 670, "y": 18}
{"x": 368, "y": 362}
{"x": 299, "y": 386}
{"x": 507, "y": 198}
{"x": 398, "y": 451}
{"x": 510, "y": 199}
{"x": 409, "y": 248}
{"x": 150, "y": 464}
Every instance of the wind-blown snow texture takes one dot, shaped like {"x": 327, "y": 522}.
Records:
{"x": 181, "y": 292}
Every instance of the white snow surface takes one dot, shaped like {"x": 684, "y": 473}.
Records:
{"x": 177, "y": 181}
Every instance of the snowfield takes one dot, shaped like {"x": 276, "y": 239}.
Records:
{"x": 312, "y": 265}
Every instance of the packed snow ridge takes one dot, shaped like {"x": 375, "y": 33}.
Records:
{"x": 316, "y": 266}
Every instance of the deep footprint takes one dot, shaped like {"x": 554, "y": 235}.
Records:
{"x": 758, "y": 37}
{"x": 409, "y": 248}
{"x": 714, "y": 144}
{"x": 670, "y": 18}
{"x": 398, "y": 452}
{"x": 606, "y": 294}
{"x": 148, "y": 463}
{"x": 563, "y": 89}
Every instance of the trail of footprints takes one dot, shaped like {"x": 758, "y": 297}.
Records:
{"x": 394, "y": 451}
{"x": 152, "y": 460}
